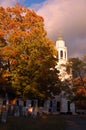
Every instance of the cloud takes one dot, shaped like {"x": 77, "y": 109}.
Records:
{"x": 6, "y": 3}
{"x": 68, "y": 17}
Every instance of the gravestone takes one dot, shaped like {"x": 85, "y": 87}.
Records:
{"x": 4, "y": 115}
{"x": 16, "y": 111}
{"x": 35, "y": 109}
{"x": 54, "y": 106}
{"x": 46, "y": 106}
{"x": 28, "y": 103}
{"x": 4, "y": 109}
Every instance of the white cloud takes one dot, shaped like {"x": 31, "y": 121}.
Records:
{"x": 69, "y": 17}
{"x": 6, "y": 3}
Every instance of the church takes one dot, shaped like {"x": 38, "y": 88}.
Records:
{"x": 63, "y": 103}
{"x": 60, "y": 104}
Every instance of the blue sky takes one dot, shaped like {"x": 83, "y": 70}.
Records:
{"x": 30, "y": 2}
{"x": 66, "y": 16}
{"x": 26, "y": 3}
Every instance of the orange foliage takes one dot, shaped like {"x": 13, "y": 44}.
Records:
{"x": 1, "y": 33}
{"x": 13, "y": 62}
{"x": 9, "y": 51}
{"x": 23, "y": 56}
{"x": 6, "y": 74}
{"x": 12, "y": 25}
{"x": 82, "y": 91}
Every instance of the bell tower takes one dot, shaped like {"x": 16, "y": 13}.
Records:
{"x": 62, "y": 50}
{"x": 62, "y": 59}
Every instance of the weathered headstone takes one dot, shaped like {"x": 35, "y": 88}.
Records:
{"x": 46, "y": 106}
{"x": 16, "y": 112}
{"x": 28, "y": 103}
{"x": 4, "y": 115}
{"x": 35, "y": 109}
{"x": 54, "y": 106}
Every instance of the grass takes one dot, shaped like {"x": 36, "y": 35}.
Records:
{"x": 50, "y": 122}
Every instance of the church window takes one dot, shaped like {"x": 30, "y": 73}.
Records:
{"x": 61, "y": 54}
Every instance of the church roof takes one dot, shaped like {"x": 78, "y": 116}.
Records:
{"x": 60, "y": 38}
{"x": 60, "y": 42}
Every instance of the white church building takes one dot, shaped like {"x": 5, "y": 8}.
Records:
{"x": 63, "y": 103}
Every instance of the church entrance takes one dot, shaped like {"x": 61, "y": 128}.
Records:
{"x": 58, "y": 106}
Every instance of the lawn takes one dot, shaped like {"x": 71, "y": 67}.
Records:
{"x": 50, "y": 122}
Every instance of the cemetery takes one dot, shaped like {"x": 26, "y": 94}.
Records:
{"x": 31, "y": 108}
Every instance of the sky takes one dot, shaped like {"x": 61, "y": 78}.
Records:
{"x": 67, "y": 17}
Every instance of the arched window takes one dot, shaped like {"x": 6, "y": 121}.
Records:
{"x": 61, "y": 54}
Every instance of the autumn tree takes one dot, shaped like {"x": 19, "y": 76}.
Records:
{"x": 2, "y": 66}
{"x": 79, "y": 69}
{"x": 79, "y": 79}
{"x": 29, "y": 55}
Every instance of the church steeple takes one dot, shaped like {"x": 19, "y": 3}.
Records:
{"x": 62, "y": 49}
{"x": 62, "y": 59}
{"x": 60, "y": 36}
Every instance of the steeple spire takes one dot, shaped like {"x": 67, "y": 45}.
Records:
{"x": 62, "y": 49}
{"x": 60, "y": 36}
